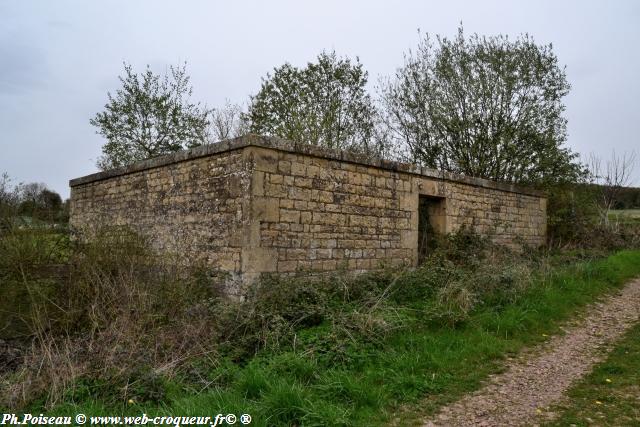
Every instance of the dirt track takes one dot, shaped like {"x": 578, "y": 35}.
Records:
{"x": 539, "y": 377}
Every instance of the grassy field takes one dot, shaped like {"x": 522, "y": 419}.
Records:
{"x": 625, "y": 216}
{"x": 610, "y": 395}
{"x": 402, "y": 376}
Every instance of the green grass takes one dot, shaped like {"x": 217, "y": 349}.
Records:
{"x": 408, "y": 375}
{"x": 610, "y": 394}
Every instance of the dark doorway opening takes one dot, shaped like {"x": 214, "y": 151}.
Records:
{"x": 431, "y": 223}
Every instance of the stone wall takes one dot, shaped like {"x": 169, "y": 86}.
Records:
{"x": 196, "y": 208}
{"x": 323, "y": 214}
{"x": 255, "y": 205}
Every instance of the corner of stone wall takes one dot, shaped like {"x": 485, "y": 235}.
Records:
{"x": 409, "y": 202}
{"x": 255, "y": 259}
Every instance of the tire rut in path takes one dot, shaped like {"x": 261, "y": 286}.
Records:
{"x": 540, "y": 377}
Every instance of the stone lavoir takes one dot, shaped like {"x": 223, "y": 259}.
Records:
{"x": 261, "y": 204}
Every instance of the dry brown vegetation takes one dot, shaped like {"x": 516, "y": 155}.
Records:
{"x": 111, "y": 320}
{"x": 116, "y": 311}
{"x": 122, "y": 320}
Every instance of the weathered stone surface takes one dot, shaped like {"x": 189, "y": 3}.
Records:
{"x": 257, "y": 204}
{"x": 196, "y": 208}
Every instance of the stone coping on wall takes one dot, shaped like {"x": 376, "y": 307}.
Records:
{"x": 281, "y": 144}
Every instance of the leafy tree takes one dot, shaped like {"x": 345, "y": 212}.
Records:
{"x": 628, "y": 198}
{"x": 148, "y": 116}
{"x": 489, "y": 107}
{"x": 31, "y": 192}
{"x": 31, "y": 200}
{"x": 35, "y": 200}
{"x": 324, "y": 103}
{"x": 50, "y": 201}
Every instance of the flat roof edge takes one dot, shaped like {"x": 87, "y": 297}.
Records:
{"x": 299, "y": 148}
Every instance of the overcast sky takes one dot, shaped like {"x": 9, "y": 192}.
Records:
{"x": 59, "y": 59}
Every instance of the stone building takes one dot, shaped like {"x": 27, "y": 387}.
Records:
{"x": 256, "y": 204}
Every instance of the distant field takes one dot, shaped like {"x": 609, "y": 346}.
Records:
{"x": 625, "y": 215}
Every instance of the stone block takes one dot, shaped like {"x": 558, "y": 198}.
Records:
{"x": 284, "y": 167}
{"x": 305, "y": 217}
{"x": 265, "y": 160}
{"x": 287, "y": 215}
{"x": 298, "y": 168}
{"x": 287, "y": 266}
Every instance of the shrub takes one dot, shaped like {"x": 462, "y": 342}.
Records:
{"x": 124, "y": 323}
{"x": 122, "y": 319}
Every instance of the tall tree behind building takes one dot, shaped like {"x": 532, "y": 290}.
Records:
{"x": 148, "y": 116}
{"x": 325, "y": 103}
{"x": 489, "y": 107}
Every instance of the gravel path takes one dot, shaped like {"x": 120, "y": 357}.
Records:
{"x": 539, "y": 378}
